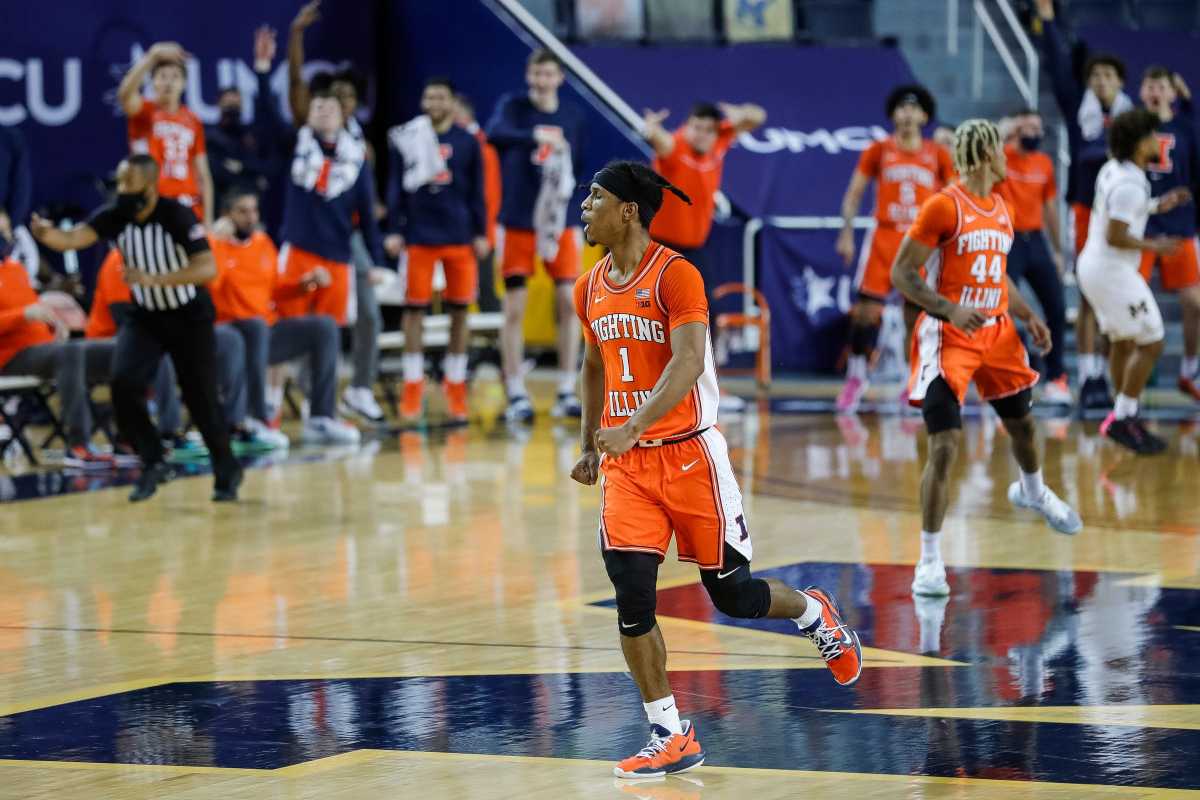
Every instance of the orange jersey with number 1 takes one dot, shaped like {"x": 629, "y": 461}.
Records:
{"x": 632, "y": 323}
{"x": 971, "y": 237}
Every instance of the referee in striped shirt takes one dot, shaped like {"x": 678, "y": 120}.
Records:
{"x": 167, "y": 264}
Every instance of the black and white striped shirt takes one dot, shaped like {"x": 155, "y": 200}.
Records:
{"x": 162, "y": 243}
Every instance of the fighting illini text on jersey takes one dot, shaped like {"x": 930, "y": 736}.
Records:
{"x": 970, "y": 267}
{"x": 632, "y": 326}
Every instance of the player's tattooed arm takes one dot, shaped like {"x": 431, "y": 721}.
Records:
{"x": 906, "y": 277}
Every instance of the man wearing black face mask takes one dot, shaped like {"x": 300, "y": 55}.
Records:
{"x": 1029, "y": 189}
{"x": 168, "y": 261}
{"x": 248, "y": 156}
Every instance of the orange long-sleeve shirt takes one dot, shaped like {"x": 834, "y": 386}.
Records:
{"x": 110, "y": 288}
{"x": 248, "y": 280}
{"x": 16, "y": 293}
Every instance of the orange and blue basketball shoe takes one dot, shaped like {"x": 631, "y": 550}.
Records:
{"x": 666, "y": 754}
{"x": 836, "y": 641}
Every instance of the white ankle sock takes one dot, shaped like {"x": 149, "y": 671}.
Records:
{"x": 856, "y": 367}
{"x": 1032, "y": 485}
{"x": 1189, "y": 366}
{"x": 414, "y": 367}
{"x": 664, "y": 712}
{"x": 812, "y": 611}
{"x": 455, "y": 367}
{"x": 1085, "y": 366}
{"x": 566, "y": 382}
{"x": 515, "y": 387}
{"x": 1100, "y": 366}
{"x": 931, "y": 547}
{"x": 1125, "y": 406}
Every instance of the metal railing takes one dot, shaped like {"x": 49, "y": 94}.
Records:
{"x": 1027, "y": 83}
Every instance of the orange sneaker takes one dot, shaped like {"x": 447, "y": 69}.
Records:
{"x": 835, "y": 640}
{"x": 666, "y": 754}
{"x": 410, "y": 401}
{"x": 456, "y": 401}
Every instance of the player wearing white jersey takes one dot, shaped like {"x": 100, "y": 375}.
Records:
{"x": 1109, "y": 274}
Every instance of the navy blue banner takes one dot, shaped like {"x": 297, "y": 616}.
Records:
{"x": 824, "y": 107}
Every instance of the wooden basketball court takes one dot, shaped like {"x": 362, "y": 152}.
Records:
{"x": 428, "y": 616}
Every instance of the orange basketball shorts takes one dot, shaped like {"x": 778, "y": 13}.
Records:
{"x": 993, "y": 357}
{"x": 1179, "y": 270}
{"x": 519, "y": 247}
{"x": 687, "y": 488}
{"x": 332, "y": 300}
{"x": 879, "y": 248}
{"x": 458, "y": 264}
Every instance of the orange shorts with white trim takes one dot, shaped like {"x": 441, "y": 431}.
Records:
{"x": 1179, "y": 270}
{"x": 993, "y": 357}
{"x": 518, "y": 249}
{"x": 458, "y": 265}
{"x": 332, "y": 300}
{"x": 879, "y": 248}
{"x": 687, "y": 488}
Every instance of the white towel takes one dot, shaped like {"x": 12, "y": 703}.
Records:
{"x": 1091, "y": 114}
{"x": 349, "y": 154}
{"x": 417, "y": 144}
{"x": 550, "y": 210}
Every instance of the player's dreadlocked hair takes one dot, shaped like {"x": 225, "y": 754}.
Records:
{"x": 633, "y": 182}
{"x": 975, "y": 141}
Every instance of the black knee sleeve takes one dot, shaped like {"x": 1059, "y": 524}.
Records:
{"x": 734, "y": 591}
{"x": 940, "y": 407}
{"x": 863, "y": 338}
{"x": 514, "y": 281}
{"x": 1014, "y": 406}
{"x": 634, "y": 576}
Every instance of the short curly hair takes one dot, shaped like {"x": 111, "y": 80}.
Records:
{"x": 1128, "y": 129}
{"x": 974, "y": 141}
{"x": 908, "y": 92}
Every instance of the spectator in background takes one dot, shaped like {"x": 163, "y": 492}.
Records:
{"x": 1177, "y": 166}
{"x": 491, "y": 198}
{"x": 347, "y": 86}
{"x": 248, "y": 156}
{"x": 693, "y": 157}
{"x": 537, "y": 137}
{"x": 330, "y": 182}
{"x": 34, "y": 341}
{"x": 244, "y": 293}
{"x": 167, "y": 129}
{"x": 1032, "y": 197}
{"x": 16, "y": 183}
{"x": 441, "y": 220}
{"x": 1087, "y": 110}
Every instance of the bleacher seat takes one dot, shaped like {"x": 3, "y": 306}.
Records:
{"x": 610, "y": 19}
{"x": 834, "y": 20}
{"x": 1168, "y": 15}
{"x": 680, "y": 20}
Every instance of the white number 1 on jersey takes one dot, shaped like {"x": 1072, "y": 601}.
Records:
{"x": 625, "y": 375}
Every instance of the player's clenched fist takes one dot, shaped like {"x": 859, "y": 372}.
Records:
{"x": 587, "y": 469}
{"x": 616, "y": 441}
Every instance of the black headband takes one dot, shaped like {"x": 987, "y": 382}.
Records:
{"x": 642, "y": 187}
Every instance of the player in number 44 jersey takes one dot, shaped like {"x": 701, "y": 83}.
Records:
{"x": 649, "y": 397}
{"x": 965, "y": 332}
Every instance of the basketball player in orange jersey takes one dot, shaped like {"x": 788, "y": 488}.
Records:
{"x": 649, "y": 397}
{"x": 167, "y": 129}
{"x": 907, "y": 168}
{"x": 966, "y": 332}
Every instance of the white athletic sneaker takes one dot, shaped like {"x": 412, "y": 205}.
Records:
{"x": 567, "y": 405}
{"x": 360, "y": 401}
{"x": 1057, "y": 393}
{"x": 1058, "y": 514}
{"x": 930, "y": 579}
{"x": 270, "y": 437}
{"x": 519, "y": 410}
{"x": 326, "y": 430}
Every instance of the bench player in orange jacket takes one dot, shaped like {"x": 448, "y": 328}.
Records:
{"x": 965, "y": 332}
{"x": 649, "y": 397}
